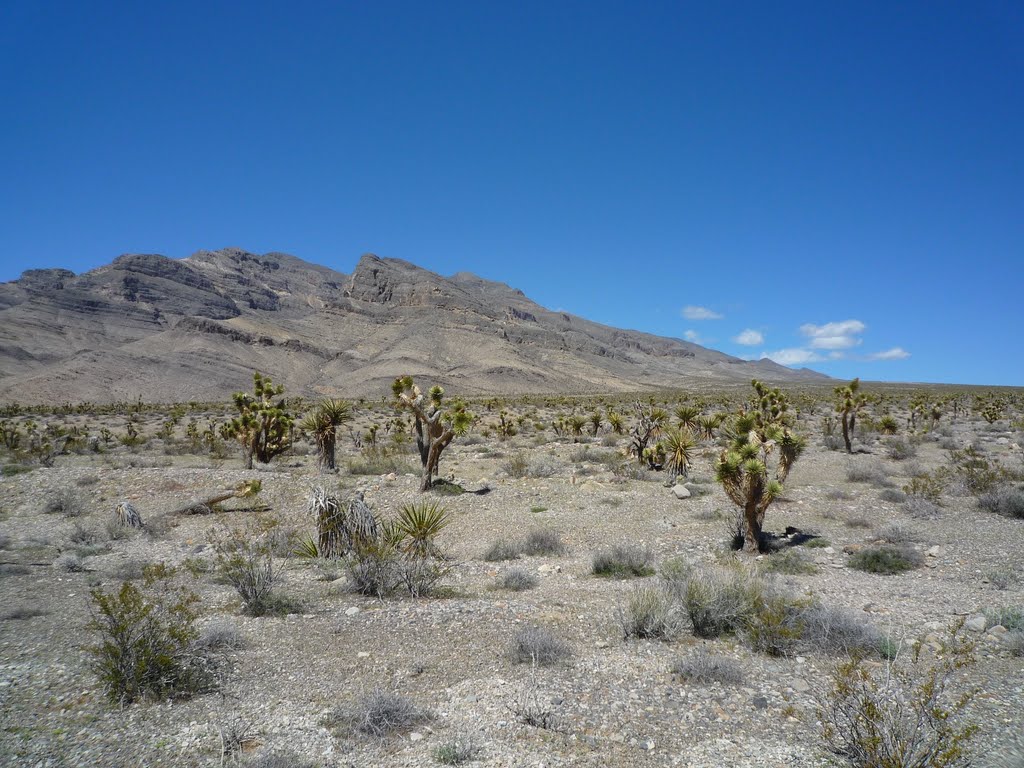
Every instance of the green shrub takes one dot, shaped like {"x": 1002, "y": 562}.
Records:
{"x": 624, "y": 561}
{"x": 902, "y": 715}
{"x": 789, "y": 562}
{"x": 147, "y": 640}
{"x": 517, "y": 465}
{"x": 929, "y": 486}
{"x": 245, "y": 559}
{"x": 457, "y": 751}
{"x": 1011, "y": 617}
{"x": 899, "y": 449}
{"x": 886, "y": 560}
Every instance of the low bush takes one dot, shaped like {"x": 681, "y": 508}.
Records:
{"x": 886, "y": 560}
{"x": 517, "y": 580}
{"x": 64, "y": 502}
{"x": 543, "y": 541}
{"x": 1006, "y": 500}
{"x": 649, "y": 613}
{"x": 1011, "y": 617}
{"x": 379, "y": 715}
{"x": 703, "y": 668}
{"x": 517, "y": 465}
{"x": 902, "y": 714}
{"x": 624, "y": 561}
{"x": 536, "y": 645}
{"x": 788, "y": 562}
{"x": 838, "y": 631}
{"x": 1015, "y": 643}
{"x": 461, "y": 749}
{"x": 146, "y": 640}
{"x": 921, "y": 509}
{"x": 245, "y": 559}
{"x": 502, "y": 549}
{"x": 899, "y": 448}
{"x": 873, "y": 475}
{"x": 895, "y": 532}
{"x": 893, "y": 496}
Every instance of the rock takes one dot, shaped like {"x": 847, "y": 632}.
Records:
{"x": 415, "y": 736}
{"x": 936, "y": 551}
{"x": 829, "y": 550}
{"x": 800, "y": 685}
{"x": 998, "y": 630}
{"x": 760, "y": 702}
{"x": 681, "y": 492}
{"x": 351, "y": 611}
{"x": 976, "y": 623}
{"x": 853, "y": 548}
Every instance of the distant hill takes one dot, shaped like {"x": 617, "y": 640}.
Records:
{"x": 196, "y": 328}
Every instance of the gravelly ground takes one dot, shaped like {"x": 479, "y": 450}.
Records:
{"x": 617, "y": 701}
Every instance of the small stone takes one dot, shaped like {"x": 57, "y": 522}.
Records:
{"x": 829, "y": 550}
{"x": 936, "y": 551}
{"x": 998, "y": 630}
{"x": 760, "y": 702}
{"x": 351, "y": 611}
{"x": 800, "y": 685}
{"x": 391, "y": 476}
{"x": 363, "y": 654}
{"x": 681, "y": 492}
{"x": 977, "y": 623}
{"x": 601, "y": 644}
{"x": 647, "y": 745}
{"x": 415, "y": 736}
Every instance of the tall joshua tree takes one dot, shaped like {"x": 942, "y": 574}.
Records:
{"x": 849, "y": 401}
{"x": 262, "y": 426}
{"x": 322, "y": 422}
{"x": 435, "y": 425}
{"x": 760, "y": 440}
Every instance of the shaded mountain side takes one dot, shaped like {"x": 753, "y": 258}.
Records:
{"x": 197, "y": 328}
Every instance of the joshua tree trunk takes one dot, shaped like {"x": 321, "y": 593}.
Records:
{"x": 753, "y": 519}
{"x": 847, "y": 428}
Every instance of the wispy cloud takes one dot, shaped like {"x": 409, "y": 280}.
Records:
{"x": 840, "y": 335}
{"x": 749, "y": 338}
{"x": 896, "y": 353}
{"x": 793, "y": 356}
{"x": 691, "y": 312}
{"x": 692, "y": 335}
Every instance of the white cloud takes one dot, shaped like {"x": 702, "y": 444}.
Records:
{"x": 691, "y": 312}
{"x": 896, "y": 353}
{"x": 841, "y": 335}
{"x": 793, "y": 356}
{"x": 836, "y": 355}
{"x": 692, "y": 335}
{"x": 749, "y": 338}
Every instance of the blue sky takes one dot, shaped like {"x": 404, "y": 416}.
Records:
{"x": 833, "y": 184}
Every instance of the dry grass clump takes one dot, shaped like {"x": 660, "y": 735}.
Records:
{"x": 66, "y": 502}
{"x": 650, "y": 613}
{"x": 624, "y": 561}
{"x": 1006, "y": 500}
{"x": 502, "y": 549}
{"x": 702, "y": 667}
{"x": 517, "y": 580}
{"x": 537, "y": 645}
{"x": 542, "y": 542}
{"x": 871, "y": 474}
{"x": 379, "y": 714}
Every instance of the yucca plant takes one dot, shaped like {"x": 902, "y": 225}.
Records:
{"x": 686, "y": 417}
{"x": 887, "y": 425}
{"x": 435, "y": 428}
{"x": 596, "y": 421}
{"x": 322, "y": 423}
{"x": 758, "y": 439}
{"x": 615, "y": 422}
{"x": 576, "y": 424}
{"x": 706, "y": 425}
{"x": 417, "y": 526}
{"x": 678, "y": 445}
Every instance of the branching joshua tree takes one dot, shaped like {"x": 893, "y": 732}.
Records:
{"x": 262, "y": 426}
{"x": 435, "y": 426}
{"x": 323, "y": 422}
{"x": 849, "y": 401}
{"x": 758, "y": 439}
{"x": 650, "y": 420}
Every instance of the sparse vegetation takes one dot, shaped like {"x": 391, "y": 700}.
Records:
{"x": 536, "y": 645}
{"x": 886, "y": 560}
{"x": 624, "y": 561}
{"x": 702, "y": 668}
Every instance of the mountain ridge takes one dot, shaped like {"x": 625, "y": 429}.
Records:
{"x": 162, "y": 328}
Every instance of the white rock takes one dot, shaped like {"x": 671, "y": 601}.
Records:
{"x": 976, "y": 623}
{"x": 936, "y": 551}
{"x": 681, "y": 492}
{"x": 351, "y": 611}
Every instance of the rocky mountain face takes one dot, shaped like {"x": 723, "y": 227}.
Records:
{"x": 196, "y": 328}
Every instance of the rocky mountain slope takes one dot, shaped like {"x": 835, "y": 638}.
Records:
{"x": 196, "y": 328}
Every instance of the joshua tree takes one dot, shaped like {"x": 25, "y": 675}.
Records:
{"x": 706, "y": 425}
{"x": 649, "y": 423}
{"x": 596, "y": 420}
{"x": 435, "y": 428}
{"x": 849, "y": 401}
{"x": 262, "y": 426}
{"x": 323, "y": 423}
{"x": 758, "y": 438}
